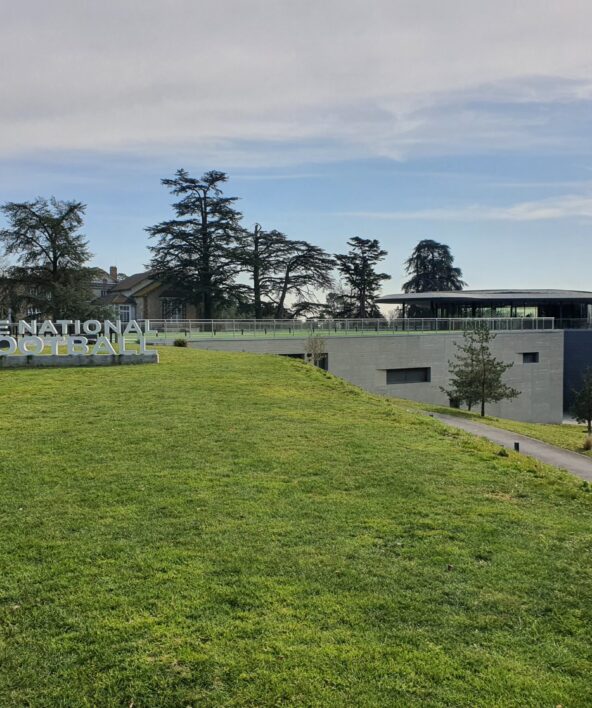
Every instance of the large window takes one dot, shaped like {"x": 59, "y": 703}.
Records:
{"x": 125, "y": 313}
{"x": 405, "y": 376}
{"x": 173, "y": 309}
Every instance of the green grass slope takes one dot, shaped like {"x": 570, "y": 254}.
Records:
{"x": 227, "y": 529}
{"x": 569, "y": 436}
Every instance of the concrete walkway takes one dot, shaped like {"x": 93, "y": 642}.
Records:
{"x": 573, "y": 462}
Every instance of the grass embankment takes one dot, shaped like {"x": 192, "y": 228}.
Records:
{"x": 228, "y": 529}
{"x": 571, "y": 437}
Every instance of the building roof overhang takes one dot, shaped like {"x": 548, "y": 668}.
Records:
{"x": 522, "y": 297}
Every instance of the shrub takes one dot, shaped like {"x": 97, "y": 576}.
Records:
{"x": 588, "y": 442}
{"x": 180, "y": 342}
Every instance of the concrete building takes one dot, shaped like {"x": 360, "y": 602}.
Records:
{"x": 545, "y": 334}
{"x": 415, "y": 366}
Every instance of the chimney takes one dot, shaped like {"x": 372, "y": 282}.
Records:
{"x": 113, "y": 273}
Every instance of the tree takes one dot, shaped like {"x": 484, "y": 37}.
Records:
{"x": 11, "y": 295}
{"x": 196, "y": 252}
{"x": 337, "y": 305}
{"x": 10, "y": 301}
{"x": 283, "y": 269}
{"x": 476, "y": 375}
{"x": 582, "y": 403}
{"x": 358, "y": 268}
{"x": 431, "y": 266}
{"x": 301, "y": 269}
{"x": 51, "y": 274}
{"x": 260, "y": 253}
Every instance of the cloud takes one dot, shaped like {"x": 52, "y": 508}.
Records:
{"x": 564, "y": 207}
{"x": 274, "y": 82}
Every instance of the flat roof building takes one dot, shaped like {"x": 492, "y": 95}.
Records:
{"x": 568, "y": 307}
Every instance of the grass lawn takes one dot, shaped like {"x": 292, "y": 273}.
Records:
{"x": 568, "y": 436}
{"x": 243, "y": 530}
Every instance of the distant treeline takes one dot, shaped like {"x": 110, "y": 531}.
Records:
{"x": 210, "y": 259}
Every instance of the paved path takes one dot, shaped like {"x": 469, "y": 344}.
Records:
{"x": 573, "y": 462}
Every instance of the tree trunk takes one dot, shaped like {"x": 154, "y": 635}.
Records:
{"x": 279, "y": 311}
{"x": 256, "y": 273}
{"x": 257, "y": 292}
{"x": 589, "y": 426}
{"x": 207, "y": 307}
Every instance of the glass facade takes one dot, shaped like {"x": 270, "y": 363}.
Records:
{"x": 492, "y": 309}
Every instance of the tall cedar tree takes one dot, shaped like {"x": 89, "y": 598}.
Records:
{"x": 431, "y": 266}
{"x": 303, "y": 269}
{"x": 358, "y": 268}
{"x": 476, "y": 375}
{"x": 196, "y": 252}
{"x": 283, "y": 270}
{"x": 582, "y": 403}
{"x": 260, "y": 254}
{"x": 50, "y": 275}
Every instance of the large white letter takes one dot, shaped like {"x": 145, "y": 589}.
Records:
{"x": 37, "y": 343}
{"x": 54, "y": 343}
{"x": 123, "y": 350}
{"x": 4, "y": 324}
{"x": 26, "y": 328}
{"x": 112, "y": 327}
{"x": 133, "y": 328}
{"x": 11, "y": 346}
{"x": 147, "y": 331}
{"x": 48, "y": 327}
{"x": 77, "y": 345}
{"x": 64, "y": 324}
{"x": 92, "y": 327}
{"x": 103, "y": 343}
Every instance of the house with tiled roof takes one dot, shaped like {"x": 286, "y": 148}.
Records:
{"x": 142, "y": 296}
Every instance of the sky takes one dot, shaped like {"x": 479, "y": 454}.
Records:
{"x": 466, "y": 121}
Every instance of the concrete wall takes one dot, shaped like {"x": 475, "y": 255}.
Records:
{"x": 364, "y": 361}
{"x": 35, "y": 362}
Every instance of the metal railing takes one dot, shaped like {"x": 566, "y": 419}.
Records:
{"x": 573, "y": 323}
{"x": 166, "y": 330}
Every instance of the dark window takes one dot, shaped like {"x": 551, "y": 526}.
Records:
{"x": 530, "y": 358}
{"x": 403, "y": 376}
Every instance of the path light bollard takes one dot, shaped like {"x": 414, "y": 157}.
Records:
{"x": 516, "y": 447}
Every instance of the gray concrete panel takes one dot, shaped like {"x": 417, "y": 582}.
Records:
{"x": 364, "y": 361}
